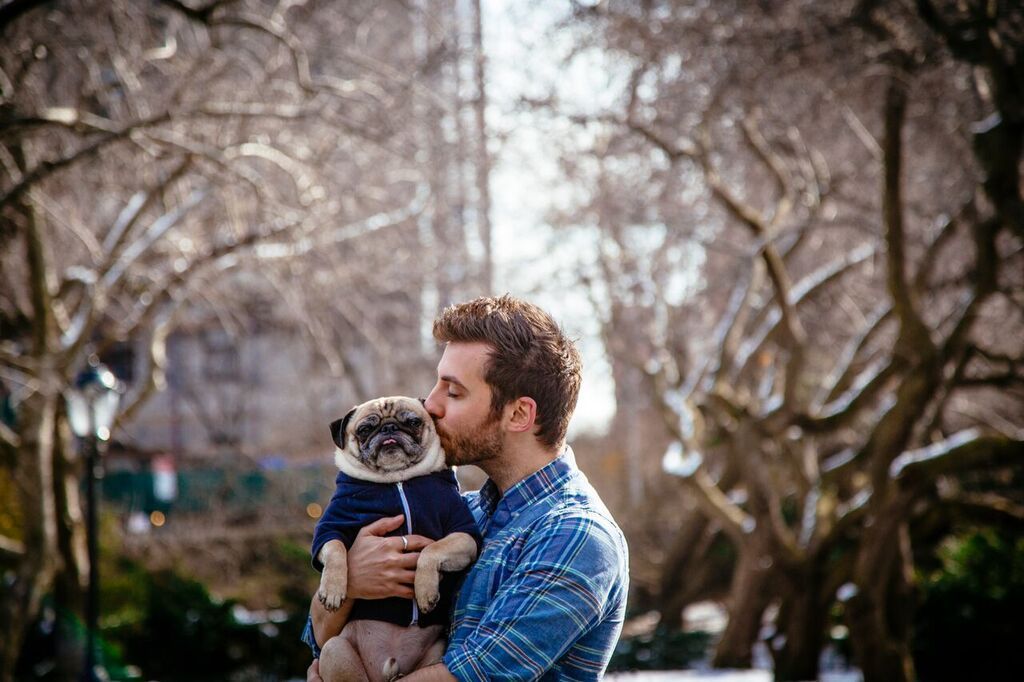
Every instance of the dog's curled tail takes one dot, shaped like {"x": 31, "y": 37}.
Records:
{"x": 391, "y": 671}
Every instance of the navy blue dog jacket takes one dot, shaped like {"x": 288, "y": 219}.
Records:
{"x": 432, "y": 507}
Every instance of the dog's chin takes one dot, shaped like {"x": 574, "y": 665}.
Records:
{"x": 392, "y": 458}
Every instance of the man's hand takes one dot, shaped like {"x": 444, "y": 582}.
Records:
{"x": 379, "y": 566}
{"x": 313, "y": 674}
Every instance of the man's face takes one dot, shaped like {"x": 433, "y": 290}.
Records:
{"x": 460, "y": 404}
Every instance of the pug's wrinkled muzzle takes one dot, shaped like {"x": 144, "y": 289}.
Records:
{"x": 392, "y": 450}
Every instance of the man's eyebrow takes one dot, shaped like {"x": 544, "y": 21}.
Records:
{"x": 452, "y": 380}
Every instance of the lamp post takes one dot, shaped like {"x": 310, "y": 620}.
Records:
{"x": 92, "y": 406}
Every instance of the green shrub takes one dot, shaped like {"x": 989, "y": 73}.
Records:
{"x": 970, "y": 619}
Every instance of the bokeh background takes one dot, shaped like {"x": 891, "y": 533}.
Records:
{"x": 788, "y": 236}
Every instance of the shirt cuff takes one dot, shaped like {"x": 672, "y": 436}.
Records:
{"x": 309, "y": 638}
{"x": 462, "y": 666}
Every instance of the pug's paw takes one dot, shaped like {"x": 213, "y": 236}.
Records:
{"x": 332, "y": 589}
{"x": 426, "y": 586}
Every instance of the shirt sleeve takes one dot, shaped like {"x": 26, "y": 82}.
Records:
{"x": 560, "y": 589}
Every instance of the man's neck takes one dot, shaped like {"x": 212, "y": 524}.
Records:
{"x": 517, "y": 461}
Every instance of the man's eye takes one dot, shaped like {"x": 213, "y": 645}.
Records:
{"x": 452, "y": 395}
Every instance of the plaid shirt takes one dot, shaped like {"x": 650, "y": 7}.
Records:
{"x": 547, "y": 597}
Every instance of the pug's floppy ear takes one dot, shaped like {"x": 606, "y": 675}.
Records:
{"x": 338, "y": 428}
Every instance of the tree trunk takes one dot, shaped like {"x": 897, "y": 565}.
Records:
{"x": 880, "y": 614}
{"x": 802, "y": 619}
{"x": 73, "y": 569}
{"x": 685, "y": 571}
{"x": 34, "y": 484}
{"x": 33, "y": 468}
{"x": 749, "y": 595}
{"x": 881, "y": 657}
{"x": 483, "y": 159}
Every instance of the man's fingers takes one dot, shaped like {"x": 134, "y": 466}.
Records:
{"x": 383, "y": 526}
{"x": 405, "y": 577}
{"x": 313, "y": 674}
{"x": 408, "y": 560}
{"x": 417, "y": 543}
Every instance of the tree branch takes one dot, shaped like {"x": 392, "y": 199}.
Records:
{"x": 964, "y": 451}
{"x": 946, "y": 232}
{"x": 154, "y": 372}
{"x": 841, "y": 411}
{"x": 985, "y": 507}
{"x": 777, "y": 168}
{"x": 843, "y": 372}
{"x": 736, "y": 523}
{"x": 8, "y": 438}
{"x": 11, "y": 548}
{"x": 730, "y": 330}
{"x": 747, "y": 216}
{"x": 48, "y": 168}
{"x": 961, "y": 38}
{"x": 914, "y": 337}
{"x": 803, "y": 290}
{"x": 129, "y": 216}
{"x": 945, "y": 392}
{"x": 94, "y": 304}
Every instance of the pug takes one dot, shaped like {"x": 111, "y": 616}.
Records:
{"x": 390, "y": 462}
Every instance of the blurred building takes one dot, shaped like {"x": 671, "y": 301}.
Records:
{"x": 259, "y": 387}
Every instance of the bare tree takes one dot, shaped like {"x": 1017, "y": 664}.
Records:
{"x": 815, "y": 157}
{"x": 162, "y": 162}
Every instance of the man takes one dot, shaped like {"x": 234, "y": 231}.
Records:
{"x": 546, "y": 598}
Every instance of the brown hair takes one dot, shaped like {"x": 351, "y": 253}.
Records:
{"x": 530, "y": 357}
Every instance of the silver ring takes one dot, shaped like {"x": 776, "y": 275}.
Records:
{"x": 405, "y": 543}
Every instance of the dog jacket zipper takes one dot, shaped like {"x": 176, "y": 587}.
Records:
{"x": 408, "y": 530}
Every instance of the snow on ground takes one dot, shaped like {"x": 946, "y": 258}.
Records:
{"x": 722, "y": 676}
{"x": 715, "y": 676}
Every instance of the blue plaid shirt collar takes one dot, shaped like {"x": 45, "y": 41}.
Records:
{"x": 500, "y": 509}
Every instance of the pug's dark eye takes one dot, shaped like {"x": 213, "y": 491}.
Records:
{"x": 414, "y": 422}
{"x": 364, "y": 431}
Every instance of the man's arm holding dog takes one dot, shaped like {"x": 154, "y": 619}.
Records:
{"x": 567, "y": 580}
{"x": 539, "y": 612}
{"x": 377, "y": 568}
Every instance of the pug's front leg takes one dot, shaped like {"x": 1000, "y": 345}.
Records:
{"x": 451, "y": 553}
{"x": 334, "y": 578}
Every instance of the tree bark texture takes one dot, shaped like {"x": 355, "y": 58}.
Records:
{"x": 34, "y": 574}
{"x": 749, "y": 596}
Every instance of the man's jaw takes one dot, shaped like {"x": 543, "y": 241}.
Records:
{"x": 482, "y": 444}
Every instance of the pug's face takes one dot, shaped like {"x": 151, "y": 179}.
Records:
{"x": 385, "y": 436}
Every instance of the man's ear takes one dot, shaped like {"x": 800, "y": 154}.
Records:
{"x": 339, "y": 427}
{"x": 523, "y": 414}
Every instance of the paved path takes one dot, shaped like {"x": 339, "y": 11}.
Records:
{"x": 721, "y": 676}
{"x": 694, "y": 676}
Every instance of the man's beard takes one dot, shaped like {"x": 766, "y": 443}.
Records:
{"x": 481, "y": 444}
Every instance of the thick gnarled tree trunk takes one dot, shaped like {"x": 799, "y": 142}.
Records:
{"x": 33, "y": 574}
{"x": 839, "y": 432}
{"x": 748, "y": 598}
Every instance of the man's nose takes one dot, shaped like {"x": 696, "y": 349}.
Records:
{"x": 433, "y": 404}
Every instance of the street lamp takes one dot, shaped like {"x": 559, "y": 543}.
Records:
{"x": 92, "y": 405}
